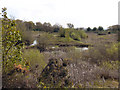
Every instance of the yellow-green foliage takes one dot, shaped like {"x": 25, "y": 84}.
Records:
{"x": 34, "y": 57}
{"x": 112, "y": 52}
{"x": 110, "y": 64}
{"x": 62, "y": 32}
{"x": 103, "y": 37}
{"x": 67, "y": 36}
{"x": 113, "y": 49}
{"x": 101, "y": 84}
{"x": 82, "y": 34}
{"x": 11, "y": 43}
{"x": 74, "y": 34}
{"x": 78, "y": 35}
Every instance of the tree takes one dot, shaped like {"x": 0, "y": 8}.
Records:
{"x": 26, "y": 34}
{"x": 47, "y": 27}
{"x": 94, "y": 29}
{"x": 114, "y": 28}
{"x": 100, "y": 28}
{"x": 70, "y": 25}
{"x": 56, "y": 27}
{"x": 29, "y": 25}
{"x": 11, "y": 43}
{"x": 88, "y": 29}
{"x": 39, "y": 26}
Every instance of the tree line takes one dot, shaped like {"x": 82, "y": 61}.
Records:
{"x": 38, "y": 26}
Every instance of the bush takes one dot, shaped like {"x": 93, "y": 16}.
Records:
{"x": 27, "y": 37}
{"x": 12, "y": 52}
{"x": 82, "y": 34}
{"x": 102, "y": 52}
{"x": 112, "y": 51}
{"x": 44, "y": 40}
{"x": 62, "y": 32}
{"x": 55, "y": 74}
{"x": 11, "y": 43}
{"x": 26, "y": 34}
{"x": 18, "y": 79}
{"x": 75, "y": 36}
{"x": 35, "y": 58}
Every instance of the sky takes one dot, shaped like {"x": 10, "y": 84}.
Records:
{"x": 81, "y": 13}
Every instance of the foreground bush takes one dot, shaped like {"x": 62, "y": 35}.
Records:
{"x": 12, "y": 44}
{"x": 55, "y": 74}
{"x": 12, "y": 52}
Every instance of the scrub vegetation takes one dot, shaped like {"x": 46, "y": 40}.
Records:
{"x": 61, "y": 58}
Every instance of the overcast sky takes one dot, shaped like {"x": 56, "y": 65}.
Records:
{"x": 81, "y": 13}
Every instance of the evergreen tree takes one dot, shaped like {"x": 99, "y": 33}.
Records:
{"x": 88, "y": 29}
{"x": 94, "y": 29}
{"x": 100, "y": 28}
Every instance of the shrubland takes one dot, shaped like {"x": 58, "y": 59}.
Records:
{"x": 55, "y": 62}
{"x": 72, "y": 33}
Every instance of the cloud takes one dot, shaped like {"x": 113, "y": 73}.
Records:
{"x": 82, "y": 13}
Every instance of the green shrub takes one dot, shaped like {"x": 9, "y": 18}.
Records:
{"x": 113, "y": 51}
{"x": 75, "y": 36}
{"x": 35, "y": 58}
{"x": 82, "y": 34}
{"x": 27, "y": 37}
{"x": 71, "y": 33}
{"x": 36, "y": 63}
{"x": 62, "y": 32}
{"x": 44, "y": 40}
{"x": 110, "y": 64}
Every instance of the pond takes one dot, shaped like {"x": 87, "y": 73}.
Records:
{"x": 53, "y": 47}
{"x": 81, "y": 48}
